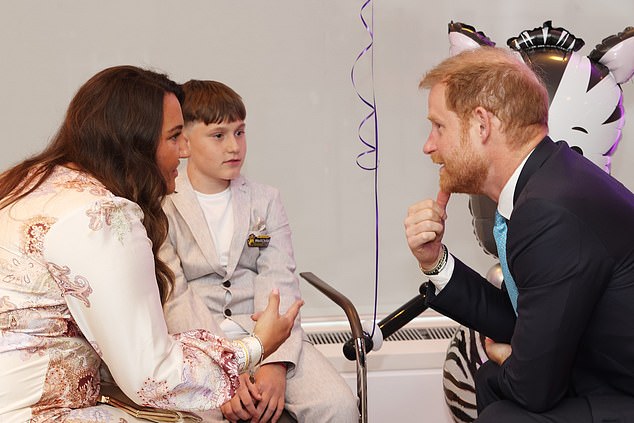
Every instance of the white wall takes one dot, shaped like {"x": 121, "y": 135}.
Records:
{"x": 291, "y": 62}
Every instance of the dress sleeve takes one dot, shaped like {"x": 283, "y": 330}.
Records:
{"x": 102, "y": 259}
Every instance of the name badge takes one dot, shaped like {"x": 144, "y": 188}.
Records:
{"x": 260, "y": 241}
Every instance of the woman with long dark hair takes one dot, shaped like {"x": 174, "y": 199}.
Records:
{"x": 80, "y": 282}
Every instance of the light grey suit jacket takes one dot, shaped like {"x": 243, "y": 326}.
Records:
{"x": 199, "y": 299}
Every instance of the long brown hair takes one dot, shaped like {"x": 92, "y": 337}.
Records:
{"x": 111, "y": 131}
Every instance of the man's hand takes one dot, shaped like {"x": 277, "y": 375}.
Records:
{"x": 425, "y": 227}
{"x": 497, "y": 352}
{"x": 270, "y": 380}
{"x": 243, "y": 404}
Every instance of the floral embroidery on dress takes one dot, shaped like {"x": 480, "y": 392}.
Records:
{"x": 111, "y": 213}
{"x": 17, "y": 271}
{"x": 29, "y": 345}
{"x": 38, "y": 348}
{"x": 80, "y": 182}
{"x": 95, "y": 347}
{"x": 94, "y": 415}
{"x": 5, "y": 304}
{"x": 65, "y": 178}
{"x": 33, "y": 233}
{"x": 79, "y": 287}
{"x": 155, "y": 394}
{"x": 226, "y": 374}
{"x": 72, "y": 330}
{"x": 71, "y": 379}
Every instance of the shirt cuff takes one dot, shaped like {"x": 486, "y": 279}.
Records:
{"x": 442, "y": 278}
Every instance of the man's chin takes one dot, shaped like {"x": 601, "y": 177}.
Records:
{"x": 446, "y": 185}
{"x": 451, "y": 188}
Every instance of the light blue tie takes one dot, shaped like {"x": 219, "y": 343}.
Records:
{"x": 499, "y": 233}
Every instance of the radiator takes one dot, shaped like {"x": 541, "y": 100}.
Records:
{"x": 404, "y": 377}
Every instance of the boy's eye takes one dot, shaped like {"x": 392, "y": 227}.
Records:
{"x": 240, "y": 132}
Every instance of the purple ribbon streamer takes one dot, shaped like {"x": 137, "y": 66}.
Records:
{"x": 372, "y": 149}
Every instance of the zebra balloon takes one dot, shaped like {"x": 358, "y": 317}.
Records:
{"x": 585, "y": 110}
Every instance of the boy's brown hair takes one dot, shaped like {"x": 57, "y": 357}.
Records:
{"x": 211, "y": 102}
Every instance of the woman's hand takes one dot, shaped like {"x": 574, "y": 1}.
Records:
{"x": 271, "y": 327}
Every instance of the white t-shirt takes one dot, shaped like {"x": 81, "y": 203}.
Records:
{"x": 219, "y": 215}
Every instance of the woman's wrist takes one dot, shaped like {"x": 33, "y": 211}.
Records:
{"x": 249, "y": 352}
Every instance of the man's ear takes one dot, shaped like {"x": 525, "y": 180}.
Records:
{"x": 483, "y": 120}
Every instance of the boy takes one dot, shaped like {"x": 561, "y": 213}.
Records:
{"x": 229, "y": 244}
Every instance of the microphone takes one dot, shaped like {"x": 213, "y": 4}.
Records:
{"x": 388, "y": 325}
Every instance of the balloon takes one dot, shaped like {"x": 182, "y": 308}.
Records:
{"x": 586, "y": 100}
{"x": 482, "y": 210}
{"x": 495, "y": 275}
{"x": 465, "y": 37}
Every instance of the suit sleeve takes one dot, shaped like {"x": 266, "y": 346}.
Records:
{"x": 276, "y": 269}
{"x": 560, "y": 268}
{"x": 471, "y": 300}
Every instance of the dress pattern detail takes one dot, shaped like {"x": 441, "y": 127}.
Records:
{"x": 110, "y": 213}
{"x": 17, "y": 271}
{"x": 78, "y": 287}
{"x": 34, "y": 232}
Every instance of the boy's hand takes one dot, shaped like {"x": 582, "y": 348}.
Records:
{"x": 242, "y": 406}
{"x": 271, "y": 382}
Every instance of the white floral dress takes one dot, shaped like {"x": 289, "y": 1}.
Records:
{"x": 77, "y": 287}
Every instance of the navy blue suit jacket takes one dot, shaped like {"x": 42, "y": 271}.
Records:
{"x": 570, "y": 249}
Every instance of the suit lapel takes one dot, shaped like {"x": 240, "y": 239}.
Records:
{"x": 541, "y": 153}
{"x": 186, "y": 203}
{"x": 241, "y": 203}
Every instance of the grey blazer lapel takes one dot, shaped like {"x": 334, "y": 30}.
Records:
{"x": 186, "y": 203}
{"x": 241, "y": 199}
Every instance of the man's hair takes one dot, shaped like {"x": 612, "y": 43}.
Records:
{"x": 496, "y": 80}
{"x": 211, "y": 102}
